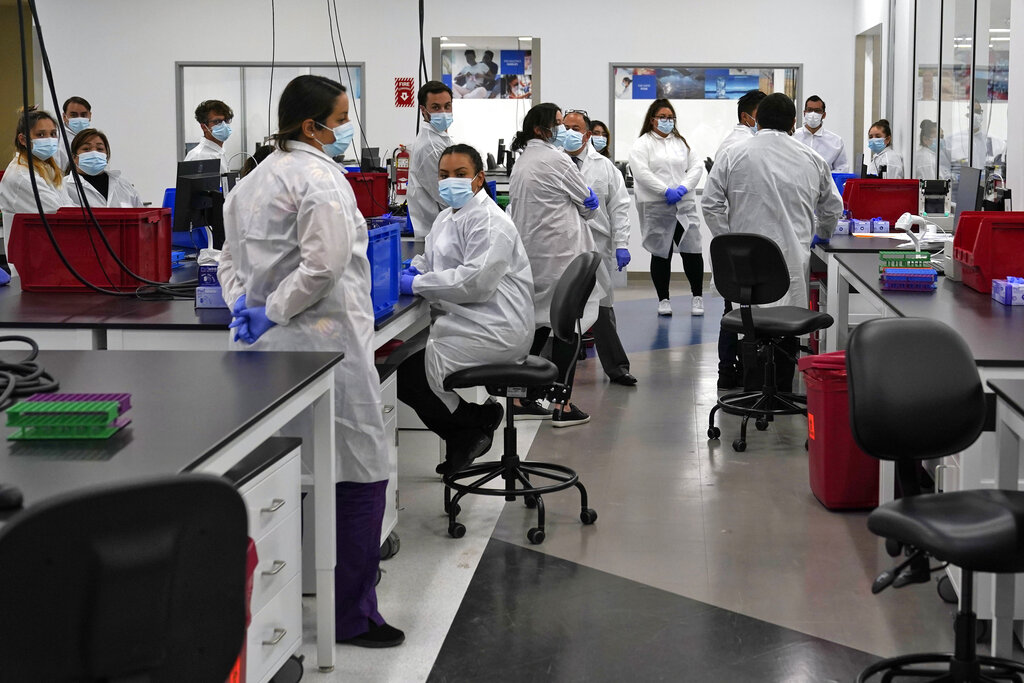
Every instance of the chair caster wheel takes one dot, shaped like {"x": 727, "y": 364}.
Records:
{"x": 530, "y": 501}
{"x": 894, "y": 548}
{"x": 761, "y": 424}
{"x": 391, "y": 546}
{"x": 588, "y": 516}
{"x": 535, "y": 536}
{"x": 456, "y": 530}
{"x": 946, "y": 591}
{"x": 714, "y": 432}
{"x": 458, "y": 509}
{"x": 739, "y": 445}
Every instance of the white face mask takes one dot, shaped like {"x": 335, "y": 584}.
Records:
{"x": 812, "y": 119}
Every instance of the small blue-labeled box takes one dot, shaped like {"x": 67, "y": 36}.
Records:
{"x": 879, "y": 225}
{"x": 208, "y": 275}
{"x": 209, "y": 297}
{"x": 1008, "y": 293}
{"x": 859, "y": 227}
{"x": 843, "y": 226}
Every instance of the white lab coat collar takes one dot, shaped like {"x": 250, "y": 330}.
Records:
{"x": 471, "y": 206}
{"x": 537, "y": 142}
{"x": 818, "y": 133}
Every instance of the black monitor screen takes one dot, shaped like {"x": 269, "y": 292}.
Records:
{"x": 968, "y": 192}
{"x": 197, "y": 197}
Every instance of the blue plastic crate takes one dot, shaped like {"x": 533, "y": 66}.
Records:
{"x": 384, "y": 252}
{"x": 840, "y": 180}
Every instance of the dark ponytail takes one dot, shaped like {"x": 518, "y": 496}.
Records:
{"x": 540, "y": 116}
{"x": 305, "y": 97}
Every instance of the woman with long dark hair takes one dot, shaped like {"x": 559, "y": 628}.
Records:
{"x": 665, "y": 174}
{"x": 35, "y": 142}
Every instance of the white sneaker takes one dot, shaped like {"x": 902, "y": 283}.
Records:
{"x": 697, "y": 307}
{"x": 664, "y": 307}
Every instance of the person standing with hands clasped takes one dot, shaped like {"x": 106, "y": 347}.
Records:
{"x": 295, "y": 273}
{"x": 665, "y": 173}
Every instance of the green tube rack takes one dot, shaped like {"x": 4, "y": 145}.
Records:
{"x": 38, "y": 420}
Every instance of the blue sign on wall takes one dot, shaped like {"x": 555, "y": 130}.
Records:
{"x": 513, "y": 62}
{"x": 446, "y": 79}
{"x": 645, "y": 87}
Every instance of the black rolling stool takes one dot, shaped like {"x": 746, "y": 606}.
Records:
{"x": 750, "y": 270}
{"x": 915, "y": 394}
{"x": 532, "y": 379}
{"x": 136, "y": 582}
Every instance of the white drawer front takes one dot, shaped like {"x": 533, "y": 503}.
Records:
{"x": 280, "y": 558}
{"x": 275, "y": 633}
{"x": 273, "y": 497}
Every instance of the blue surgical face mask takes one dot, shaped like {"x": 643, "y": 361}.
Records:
{"x": 934, "y": 145}
{"x": 876, "y": 145}
{"x": 456, "y": 191}
{"x": 92, "y": 163}
{"x": 573, "y": 140}
{"x": 222, "y": 131}
{"x": 600, "y": 142}
{"x": 666, "y": 126}
{"x": 558, "y": 135}
{"x": 343, "y": 135}
{"x": 78, "y": 124}
{"x": 442, "y": 121}
{"x": 44, "y": 148}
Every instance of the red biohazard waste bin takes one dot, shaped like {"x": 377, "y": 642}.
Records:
{"x": 842, "y": 476}
{"x": 252, "y": 559}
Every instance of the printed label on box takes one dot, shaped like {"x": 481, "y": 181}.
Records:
{"x": 842, "y": 227}
{"x": 208, "y": 275}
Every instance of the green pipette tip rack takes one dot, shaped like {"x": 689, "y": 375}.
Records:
{"x": 46, "y": 416}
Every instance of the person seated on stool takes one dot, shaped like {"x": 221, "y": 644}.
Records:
{"x": 475, "y": 273}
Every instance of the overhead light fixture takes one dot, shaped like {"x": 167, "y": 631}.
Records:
{"x": 453, "y": 45}
{"x": 1002, "y": 39}
{"x": 525, "y": 39}
{"x": 999, "y": 30}
{"x": 444, "y": 38}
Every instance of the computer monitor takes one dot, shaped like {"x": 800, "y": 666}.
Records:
{"x": 500, "y": 158}
{"x": 859, "y": 167}
{"x": 198, "y": 200}
{"x": 369, "y": 159}
{"x": 968, "y": 192}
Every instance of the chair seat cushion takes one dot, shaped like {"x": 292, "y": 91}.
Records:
{"x": 533, "y": 372}
{"x": 779, "y": 321}
{"x": 980, "y": 530}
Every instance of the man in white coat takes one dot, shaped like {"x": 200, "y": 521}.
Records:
{"x": 774, "y": 186}
{"x": 826, "y": 143}
{"x": 214, "y": 117}
{"x": 423, "y": 199}
{"x": 610, "y": 227}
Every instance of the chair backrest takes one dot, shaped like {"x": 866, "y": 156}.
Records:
{"x": 571, "y": 293}
{"x": 143, "y": 581}
{"x": 749, "y": 269}
{"x": 914, "y": 389}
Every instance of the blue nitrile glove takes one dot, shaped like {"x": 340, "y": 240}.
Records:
{"x": 5, "y": 277}
{"x": 682, "y": 191}
{"x": 240, "y": 324}
{"x": 622, "y": 258}
{"x": 412, "y": 270}
{"x": 239, "y": 306}
{"x": 591, "y": 202}
{"x": 254, "y": 321}
{"x": 672, "y": 195}
{"x": 818, "y": 240}
{"x": 405, "y": 282}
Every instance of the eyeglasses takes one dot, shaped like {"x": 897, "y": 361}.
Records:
{"x": 581, "y": 112}
{"x": 665, "y": 118}
{"x": 215, "y": 122}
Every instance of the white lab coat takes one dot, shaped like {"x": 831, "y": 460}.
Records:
{"x": 610, "y": 223}
{"x": 16, "y": 193}
{"x": 120, "y": 193}
{"x": 828, "y": 145}
{"x": 208, "y": 150}
{"x": 546, "y": 195}
{"x": 476, "y": 276}
{"x": 925, "y": 163}
{"x": 423, "y": 198}
{"x": 738, "y": 134}
{"x": 296, "y": 243}
{"x": 659, "y": 163}
{"x": 61, "y": 157}
{"x": 892, "y": 161}
{"x": 774, "y": 186}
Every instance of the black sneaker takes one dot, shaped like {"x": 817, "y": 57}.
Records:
{"x": 462, "y": 448}
{"x": 569, "y": 417}
{"x": 378, "y": 635}
{"x": 531, "y": 410}
{"x": 727, "y": 379}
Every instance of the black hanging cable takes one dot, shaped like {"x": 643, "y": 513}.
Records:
{"x": 24, "y": 377}
{"x": 423, "y": 76}
{"x": 273, "y": 61}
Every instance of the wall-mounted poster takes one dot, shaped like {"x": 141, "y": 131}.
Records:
{"x": 474, "y": 73}
{"x": 729, "y": 84}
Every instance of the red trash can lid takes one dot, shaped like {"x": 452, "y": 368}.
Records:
{"x": 823, "y": 361}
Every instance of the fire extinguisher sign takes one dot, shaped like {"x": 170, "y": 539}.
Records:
{"x": 404, "y": 92}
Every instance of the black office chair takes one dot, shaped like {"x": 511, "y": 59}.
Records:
{"x": 750, "y": 270}
{"x": 532, "y": 380}
{"x": 138, "y": 582}
{"x": 915, "y": 394}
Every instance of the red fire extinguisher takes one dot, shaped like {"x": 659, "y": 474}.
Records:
{"x": 401, "y": 170}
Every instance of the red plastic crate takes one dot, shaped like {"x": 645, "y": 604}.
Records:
{"x": 989, "y": 245}
{"x": 866, "y": 198}
{"x": 141, "y": 238}
{"x": 371, "y": 190}
{"x": 842, "y": 476}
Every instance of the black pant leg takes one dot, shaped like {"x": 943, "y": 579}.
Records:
{"x": 414, "y": 391}
{"x": 728, "y": 346}
{"x": 693, "y": 266}
{"x": 661, "y": 273}
{"x": 609, "y": 346}
{"x": 785, "y": 369}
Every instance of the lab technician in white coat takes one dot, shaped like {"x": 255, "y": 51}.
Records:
{"x": 38, "y": 129}
{"x": 77, "y": 115}
{"x": 423, "y": 198}
{"x": 214, "y": 118}
{"x": 609, "y": 227}
{"x": 883, "y": 156}
{"x": 774, "y": 186}
{"x": 103, "y": 187}
{"x": 475, "y": 273}
{"x": 826, "y": 143}
{"x": 730, "y": 373}
{"x": 295, "y": 273}
{"x": 550, "y": 202}
{"x": 665, "y": 174}
{"x": 928, "y": 152}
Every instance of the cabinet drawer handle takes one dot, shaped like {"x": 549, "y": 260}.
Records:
{"x": 388, "y": 409}
{"x": 278, "y": 566}
{"x": 275, "y": 505}
{"x": 279, "y": 634}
